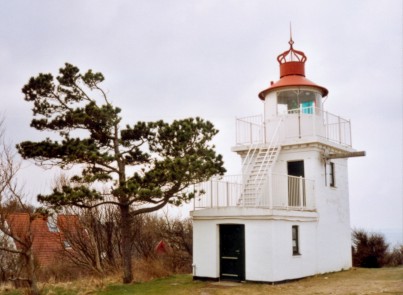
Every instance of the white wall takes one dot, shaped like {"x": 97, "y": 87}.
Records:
{"x": 205, "y": 249}
{"x": 268, "y": 249}
{"x": 333, "y": 228}
{"x": 269, "y": 254}
{"x": 334, "y": 231}
{"x": 325, "y": 242}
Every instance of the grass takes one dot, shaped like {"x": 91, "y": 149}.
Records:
{"x": 178, "y": 285}
{"x": 354, "y": 281}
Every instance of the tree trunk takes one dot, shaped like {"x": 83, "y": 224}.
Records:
{"x": 109, "y": 246}
{"x": 33, "y": 283}
{"x": 97, "y": 257}
{"x": 125, "y": 226}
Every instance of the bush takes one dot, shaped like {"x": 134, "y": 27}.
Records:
{"x": 149, "y": 230}
{"x": 395, "y": 257}
{"x": 369, "y": 250}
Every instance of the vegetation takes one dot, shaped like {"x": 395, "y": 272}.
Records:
{"x": 94, "y": 247}
{"x": 138, "y": 168}
{"x": 395, "y": 256}
{"x": 371, "y": 250}
{"x": 354, "y": 281}
{"x": 16, "y": 255}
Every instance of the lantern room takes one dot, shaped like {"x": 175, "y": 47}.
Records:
{"x": 296, "y": 104}
{"x": 293, "y": 91}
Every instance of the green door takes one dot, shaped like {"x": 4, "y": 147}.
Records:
{"x": 232, "y": 252}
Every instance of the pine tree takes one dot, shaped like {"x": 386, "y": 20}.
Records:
{"x": 143, "y": 167}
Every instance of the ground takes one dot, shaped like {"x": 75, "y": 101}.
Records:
{"x": 358, "y": 281}
{"x": 355, "y": 281}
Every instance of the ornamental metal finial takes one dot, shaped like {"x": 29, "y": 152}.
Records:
{"x": 291, "y": 42}
{"x": 291, "y": 54}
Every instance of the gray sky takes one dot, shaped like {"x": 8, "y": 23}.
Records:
{"x": 175, "y": 59}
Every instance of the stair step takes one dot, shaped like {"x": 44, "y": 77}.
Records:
{"x": 258, "y": 176}
{"x": 264, "y": 158}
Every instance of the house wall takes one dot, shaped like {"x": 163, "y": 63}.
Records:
{"x": 332, "y": 204}
{"x": 334, "y": 231}
{"x": 269, "y": 256}
{"x": 268, "y": 249}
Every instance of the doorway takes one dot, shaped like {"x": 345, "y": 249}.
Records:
{"x": 296, "y": 184}
{"x": 232, "y": 252}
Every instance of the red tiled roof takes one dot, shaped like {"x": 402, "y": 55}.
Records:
{"x": 46, "y": 245}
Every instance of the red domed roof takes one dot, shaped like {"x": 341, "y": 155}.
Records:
{"x": 292, "y": 72}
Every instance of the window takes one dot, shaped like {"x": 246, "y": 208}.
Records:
{"x": 332, "y": 175}
{"x": 297, "y": 101}
{"x": 295, "y": 240}
{"x": 52, "y": 226}
{"x": 66, "y": 244}
{"x": 296, "y": 184}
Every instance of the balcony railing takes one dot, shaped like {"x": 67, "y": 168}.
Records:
{"x": 249, "y": 130}
{"x": 280, "y": 192}
{"x": 297, "y": 124}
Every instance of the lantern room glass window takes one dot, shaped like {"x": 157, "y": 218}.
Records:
{"x": 298, "y": 101}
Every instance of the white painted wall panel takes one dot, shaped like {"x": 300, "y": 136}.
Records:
{"x": 205, "y": 249}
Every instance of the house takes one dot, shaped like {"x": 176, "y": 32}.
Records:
{"x": 287, "y": 215}
{"x": 48, "y": 241}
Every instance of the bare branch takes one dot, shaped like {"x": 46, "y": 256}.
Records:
{"x": 11, "y": 250}
{"x": 10, "y": 192}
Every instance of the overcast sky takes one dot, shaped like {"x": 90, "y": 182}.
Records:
{"x": 175, "y": 59}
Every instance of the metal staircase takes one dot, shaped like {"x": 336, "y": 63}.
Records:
{"x": 257, "y": 167}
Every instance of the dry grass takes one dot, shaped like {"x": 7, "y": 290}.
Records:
{"x": 143, "y": 271}
{"x": 6, "y": 287}
{"x": 354, "y": 281}
{"x": 147, "y": 270}
{"x": 357, "y": 281}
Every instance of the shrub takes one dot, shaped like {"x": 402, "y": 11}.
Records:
{"x": 369, "y": 250}
{"x": 395, "y": 257}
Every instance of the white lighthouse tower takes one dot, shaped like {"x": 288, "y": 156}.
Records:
{"x": 287, "y": 215}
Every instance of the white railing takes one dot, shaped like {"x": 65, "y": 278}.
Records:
{"x": 298, "y": 123}
{"x": 218, "y": 192}
{"x": 292, "y": 192}
{"x": 249, "y": 130}
{"x": 281, "y": 192}
{"x": 338, "y": 129}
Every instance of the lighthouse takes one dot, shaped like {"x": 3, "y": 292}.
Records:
{"x": 287, "y": 216}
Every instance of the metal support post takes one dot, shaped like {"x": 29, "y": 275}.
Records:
{"x": 301, "y": 192}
